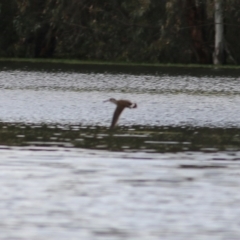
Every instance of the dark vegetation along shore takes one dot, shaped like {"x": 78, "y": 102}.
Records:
{"x": 149, "y": 31}
{"x": 149, "y": 65}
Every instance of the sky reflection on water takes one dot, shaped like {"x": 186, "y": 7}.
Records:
{"x": 49, "y": 193}
{"x": 77, "y": 98}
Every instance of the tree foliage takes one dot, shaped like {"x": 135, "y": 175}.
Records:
{"x": 176, "y": 31}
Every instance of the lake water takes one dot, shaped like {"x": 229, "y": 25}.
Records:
{"x": 170, "y": 170}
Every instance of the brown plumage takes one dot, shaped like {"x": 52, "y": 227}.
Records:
{"x": 121, "y": 104}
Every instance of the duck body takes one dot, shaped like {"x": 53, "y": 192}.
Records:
{"x": 121, "y": 104}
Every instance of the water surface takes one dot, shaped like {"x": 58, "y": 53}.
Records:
{"x": 170, "y": 170}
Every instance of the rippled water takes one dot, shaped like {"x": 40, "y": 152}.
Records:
{"x": 169, "y": 171}
{"x": 77, "y": 98}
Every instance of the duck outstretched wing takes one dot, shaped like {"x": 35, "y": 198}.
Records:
{"x": 116, "y": 115}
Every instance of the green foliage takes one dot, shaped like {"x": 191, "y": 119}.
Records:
{"x": 8, "y": 38}
{"x": 117, "y": 30}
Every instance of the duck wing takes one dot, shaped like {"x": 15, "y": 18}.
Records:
{"x": 116, "y": 115}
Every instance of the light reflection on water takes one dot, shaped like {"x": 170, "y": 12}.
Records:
{"x": 57, "y": 193}
{"x": 170, "y": 171}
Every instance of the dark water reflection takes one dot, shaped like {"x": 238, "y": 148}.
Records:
{"x": 134, "y": 139}
{"x": 120, "y": 69}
